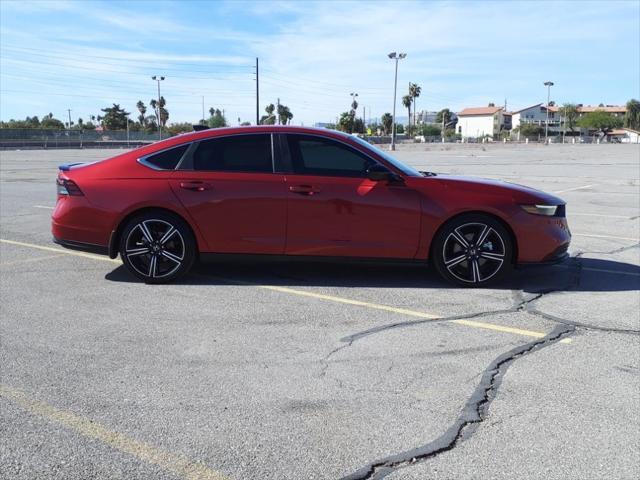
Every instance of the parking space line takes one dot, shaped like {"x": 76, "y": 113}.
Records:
{"x": 349, "y": 301}
{"x": 625, "y": 217}
{"x": 44, "y": 206}
{"x": 412, "y": 313}
{"x": 59, "y": 250}
{"x": 320, "y": 296}
{"x": 575, "y": 188}
{"x": 604, "y": 236}
{"x": 176, "y": 464}
{"x": 29, "y": 260}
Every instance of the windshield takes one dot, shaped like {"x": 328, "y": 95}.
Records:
{"x": 406, "y": 169}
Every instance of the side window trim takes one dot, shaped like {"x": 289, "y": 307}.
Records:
{"x": 341, "y": 143}
{"x": 144, "y": 160}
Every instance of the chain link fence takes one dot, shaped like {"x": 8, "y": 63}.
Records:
{"x": 12, "y": 138}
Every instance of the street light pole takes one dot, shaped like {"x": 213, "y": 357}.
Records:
{"x": 395, "y": 56}
{"x": 158, "y": 79}
{"x": 546, "y": 126}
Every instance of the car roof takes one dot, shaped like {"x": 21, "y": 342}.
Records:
{"x": 217, "y": 132}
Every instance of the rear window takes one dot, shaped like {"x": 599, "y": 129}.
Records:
{"x": 167, "y": 160}
{"x": 238, "y": 153}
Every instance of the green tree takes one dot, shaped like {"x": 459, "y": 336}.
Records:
{"x": 430, "y": 130}
{"x": 414, "y": 91}
{"x": 631, "y": 117}
{"x": 406, "y": 102}
{"x": 269, "y": 118}
{"x": 216, "y": 120}
{"x": 143, "y": 110}
{"x": 570, "y": 113}
{"x": 284, "y": 114}
{"x": 529, "y": 130}
{"x": 446, "y": 113}
{"x": 387, "y": 122}
{"x": 346, "y": 122}
{"x": 599, "y": 120}
{"x": 115, "y": 118}
{"x": 50, "y": 122}
{"x": 176, "y": 128}
{"x": 164, "y": 113}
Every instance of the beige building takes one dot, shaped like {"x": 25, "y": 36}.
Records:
{"x": 479, "y": 122}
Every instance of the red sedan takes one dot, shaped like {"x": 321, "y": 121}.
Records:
{"x": 298, "y": 192}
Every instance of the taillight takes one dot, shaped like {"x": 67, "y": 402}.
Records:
{"x": 68, "y": 187}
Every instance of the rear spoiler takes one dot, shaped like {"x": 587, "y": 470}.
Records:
{"x": 65, "y": 167}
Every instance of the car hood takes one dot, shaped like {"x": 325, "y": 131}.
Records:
{"x": 518, "y": 193}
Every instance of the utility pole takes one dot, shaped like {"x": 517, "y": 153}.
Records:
{"x": 443, "y": 124}
{"x": 278, "y": 111}
{"x": 158, "y": 79}
{"x": 257, "y": 93}
{"x": 546, "y": 126}
{"x": 355, "y": 110}
{"x": 69, "y": 110}
{"x": 127, "y": 118}
{"x": 396, "y": 57}
{"x": 203, "y": 110}
{"x": 564, "y": 124}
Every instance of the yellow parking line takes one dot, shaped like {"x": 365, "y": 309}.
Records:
{"x": 29, "y": 260}
{"x": 349, "y": 301}
{"x": 411, "y": 313}
{"x": 320, "y": 296}
{"x": 59, "y": 250}
{"x": 175, "y": 464}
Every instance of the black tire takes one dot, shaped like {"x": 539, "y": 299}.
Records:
{"x": 157, "y": 247}
{"x": 459, "y": 259}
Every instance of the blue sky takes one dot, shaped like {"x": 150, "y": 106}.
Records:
{"x": 87, "y": 55}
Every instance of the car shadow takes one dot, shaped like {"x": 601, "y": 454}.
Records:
{"x": 576, "y": 274}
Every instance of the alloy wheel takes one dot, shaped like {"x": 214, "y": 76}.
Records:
{"x": 473, "y": 252}
{"x": 155, "y": 248}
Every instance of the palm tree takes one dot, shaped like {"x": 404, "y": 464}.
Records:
{"x": 164, "y": 113}
{"x": 406, "y": 101}
{"x": 414, "y": 90}
{"x": 143, "y": 110}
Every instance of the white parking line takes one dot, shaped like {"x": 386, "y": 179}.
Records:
{"x": 605, "y": 236}
{"x": 44, "y": 206}
{"x": 575, "y": 188}
{"x": 626, "y": 217}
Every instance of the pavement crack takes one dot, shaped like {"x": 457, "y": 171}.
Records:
{"x": 410, "y": 323}
{"x": 473, "y": 413}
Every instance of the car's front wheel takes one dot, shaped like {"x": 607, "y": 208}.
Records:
{"x": 157, "y": 247}
{"x": 472, "y": 250}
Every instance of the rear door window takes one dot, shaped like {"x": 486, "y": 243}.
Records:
{"x": 167, "y": 160}
{"x": 238, "y": 153}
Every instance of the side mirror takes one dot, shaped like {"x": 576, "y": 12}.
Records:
{"x": 378, "y": 173}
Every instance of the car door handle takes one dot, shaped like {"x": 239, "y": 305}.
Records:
{"x": 195, "y": 186}
{"x": 304, "y": 189}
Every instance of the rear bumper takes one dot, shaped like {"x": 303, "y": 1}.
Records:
{"x": 81, "y": 246}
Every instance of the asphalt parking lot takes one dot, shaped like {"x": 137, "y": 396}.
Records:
{"x": 327, "y": 371}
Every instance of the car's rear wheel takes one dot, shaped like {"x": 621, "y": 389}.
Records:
{"x": 472, "y": 250}
{"x": 157, "y": 247}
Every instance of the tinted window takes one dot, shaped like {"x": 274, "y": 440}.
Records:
{"x": 319, "y": 156}
{"x": 239, "y": 153}
{"x": 168, "y": 159}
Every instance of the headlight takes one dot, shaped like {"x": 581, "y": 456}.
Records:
{"x": 546, "y": 210}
